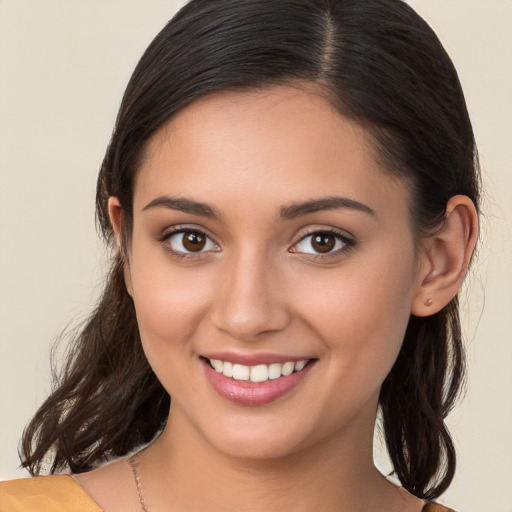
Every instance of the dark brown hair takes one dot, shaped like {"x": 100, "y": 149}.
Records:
{"x": 382, "y": 66}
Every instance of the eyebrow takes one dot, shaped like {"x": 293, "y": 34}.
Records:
{"x": 287, "y": 212}
{"x": 326, "y": 203}
{"x": 184, "y": 205}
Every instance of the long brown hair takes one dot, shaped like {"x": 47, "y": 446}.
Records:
{"x": 382, "y": 66}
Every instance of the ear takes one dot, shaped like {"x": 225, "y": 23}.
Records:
{"x": 445, "y": 257}
{"x": 115, "y": 214}
{"x": 116, "y": 218}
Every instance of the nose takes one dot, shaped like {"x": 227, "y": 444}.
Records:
{"x": 251, "y": 300}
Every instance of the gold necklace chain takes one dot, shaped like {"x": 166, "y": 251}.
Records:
{"x": 135, "y": 464}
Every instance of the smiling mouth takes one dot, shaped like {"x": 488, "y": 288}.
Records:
{"x": 257, "y": 373}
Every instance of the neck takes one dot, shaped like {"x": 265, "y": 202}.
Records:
{"x": 336, "y": 474}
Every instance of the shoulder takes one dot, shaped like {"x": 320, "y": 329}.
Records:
{"x": 55, "y": 493}
{"x": 435, "y": 507}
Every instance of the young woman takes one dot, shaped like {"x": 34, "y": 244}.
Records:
{"x": 292, "y": 193}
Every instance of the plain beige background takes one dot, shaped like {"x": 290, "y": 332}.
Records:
{"x": 63, "y": 68}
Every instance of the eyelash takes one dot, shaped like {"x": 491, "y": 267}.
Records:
{"x": 347, "y": 243}
{"x": 182, "y": 230}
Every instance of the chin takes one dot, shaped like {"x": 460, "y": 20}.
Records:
{"x": 247, "y": 441}
{"x": 256, "y": 449}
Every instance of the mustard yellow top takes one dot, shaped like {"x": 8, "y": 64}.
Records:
{"x": 54, "y": 493}
{"x": 60, "y": 493}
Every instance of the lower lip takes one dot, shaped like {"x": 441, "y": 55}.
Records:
{"x": 254, "y": 393}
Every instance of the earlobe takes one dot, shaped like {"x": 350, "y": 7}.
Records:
{"x": 116, "y": 221}
{"x": 446, "y": 257}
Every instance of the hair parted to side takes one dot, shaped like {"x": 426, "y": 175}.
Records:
{"x": 379, "y": 64}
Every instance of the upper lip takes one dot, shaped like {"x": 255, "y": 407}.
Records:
{"x": 253, "y": 359}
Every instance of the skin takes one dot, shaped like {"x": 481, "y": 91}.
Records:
{"x": 259, "y": 286}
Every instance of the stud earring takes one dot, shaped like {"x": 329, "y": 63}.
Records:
{"x": 429, "y": 302}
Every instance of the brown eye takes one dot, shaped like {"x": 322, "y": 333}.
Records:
{"x": 194, "y": 241}
{"x": 189, "y": 241}
{"x": 323, "y": 242}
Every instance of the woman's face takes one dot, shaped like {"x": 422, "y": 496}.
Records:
{"x": 266, "y": 239}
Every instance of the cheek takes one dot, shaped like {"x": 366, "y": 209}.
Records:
{"x": 169, "y": 307}
{"x": 360, "y": 312}
{"x": 169, "y": 301}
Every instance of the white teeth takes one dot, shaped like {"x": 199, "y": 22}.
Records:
{"x": 228, "y": 369}
{"x": 241, "y": 372}
{"x": 274, "y": 371}
{"x": 258, "y": 373}
{"x": 288, "y": 368}
{"x": 299, "y": 365}
{"x": 217, "y": 365}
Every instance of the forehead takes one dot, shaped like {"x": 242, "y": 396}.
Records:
{"x": 281, "y": 144}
